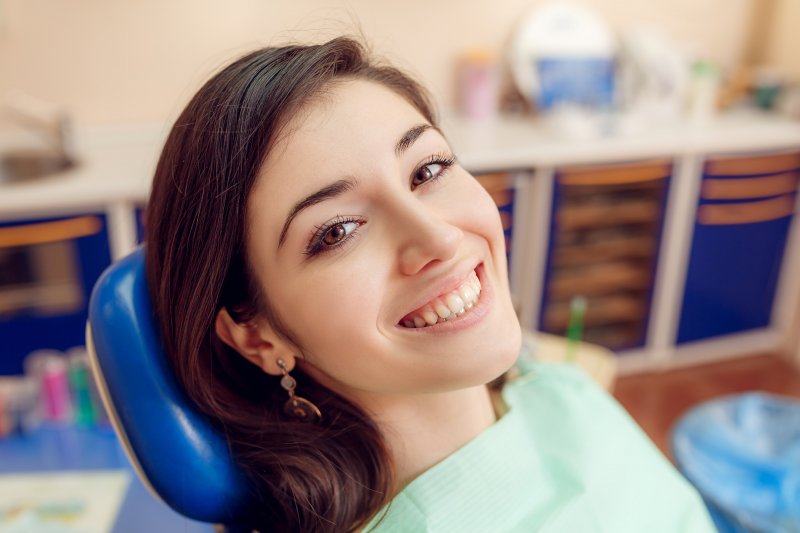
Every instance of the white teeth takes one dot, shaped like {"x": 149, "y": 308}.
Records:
{"x": 476, "y": 283}
{"x": 441, "y": 309}
{"x": 467, "y": 293}
{"x": 449, "y": 306}
{"x": 455, "y": 303}
{"x": 429, "y": 315}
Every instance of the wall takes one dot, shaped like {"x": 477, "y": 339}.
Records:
{"x": 118, "y": 61}
{"x": 783, "y": 40}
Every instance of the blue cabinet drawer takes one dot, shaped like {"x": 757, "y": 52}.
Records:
{"x": 47, "y": 270}
{"x": 744, "y": 214}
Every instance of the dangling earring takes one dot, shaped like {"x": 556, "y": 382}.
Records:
{"x": 296, "y": 407}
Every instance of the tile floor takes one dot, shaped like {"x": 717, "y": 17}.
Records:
{"x": 656, "y": 400}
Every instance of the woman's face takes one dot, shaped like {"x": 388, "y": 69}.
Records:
{"x": 360, "y": 226}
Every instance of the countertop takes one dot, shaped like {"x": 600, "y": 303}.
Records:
{"x": 116, "y": 164}
{"x": 524, "y": 143}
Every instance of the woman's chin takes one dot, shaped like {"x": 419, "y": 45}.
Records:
{"x": 511, "y": 345}
{"x": 498, "y": 354}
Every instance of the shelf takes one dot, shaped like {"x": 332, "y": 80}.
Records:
{"x": 598, "y": 279}
{"x": 634, "y": 247}
{"x": 570, "y": 218}
{"x": 608, "y": 310}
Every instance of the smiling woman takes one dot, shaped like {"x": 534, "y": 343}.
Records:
{"x": 332, "y": 291}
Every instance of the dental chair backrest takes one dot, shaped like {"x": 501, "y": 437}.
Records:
{"x": 180, "y": 456}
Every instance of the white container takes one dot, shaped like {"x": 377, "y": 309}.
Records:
{"x": 563, "y": 54}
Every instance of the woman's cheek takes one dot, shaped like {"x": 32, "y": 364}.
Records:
{"x": 484, "y": 212}
{"x": 342, "y": 300}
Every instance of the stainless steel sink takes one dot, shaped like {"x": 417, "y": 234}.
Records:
{"x": 52, "y": 155}
{"x": 23, "y": 166}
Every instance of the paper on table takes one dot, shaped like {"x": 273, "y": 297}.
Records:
{"x": 75, "y": 502}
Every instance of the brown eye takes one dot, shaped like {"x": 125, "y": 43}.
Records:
{"x": 432, "y": 170}
{"x": 426, "y": 173}
{"x": 338, "y": 232}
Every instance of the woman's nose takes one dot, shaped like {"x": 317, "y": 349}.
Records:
{"x": 426, "y": 240}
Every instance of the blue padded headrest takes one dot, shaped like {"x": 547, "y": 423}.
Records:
{"x": 184, "y": 459}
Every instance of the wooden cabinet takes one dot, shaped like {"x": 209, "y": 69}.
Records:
{"x": 605, "y": 231}
{"x": 683, "y": 238}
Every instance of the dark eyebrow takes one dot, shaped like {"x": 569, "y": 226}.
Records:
{"x": 341, "y": 186}
{"x": 409, "y": 137}
{"x": 332, "y": 190}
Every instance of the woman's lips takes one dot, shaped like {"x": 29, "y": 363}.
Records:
{"x": 447, "y": 306}
{"x": 479, "y": 309}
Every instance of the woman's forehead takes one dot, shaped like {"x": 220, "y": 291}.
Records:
{"x": 351, "y": 121}
{"x": 347, "y": 112}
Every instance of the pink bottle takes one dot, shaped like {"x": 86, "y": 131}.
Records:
{"x": 56, "y": 401}
{"x": 479, "y": 85}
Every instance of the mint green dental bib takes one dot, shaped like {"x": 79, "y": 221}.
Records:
{"x": 566, "y": 458}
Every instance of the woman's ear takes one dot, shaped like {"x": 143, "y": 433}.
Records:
{"x": 258, "y": 343}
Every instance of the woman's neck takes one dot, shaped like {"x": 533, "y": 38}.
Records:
{"x": 423, "y": 430}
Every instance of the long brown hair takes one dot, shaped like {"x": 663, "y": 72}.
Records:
{"x": 331, "y": 476}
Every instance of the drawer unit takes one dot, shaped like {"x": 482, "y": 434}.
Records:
{"x": 47, "y": 270}
{"x": 605, "y": 232}
{"x": 742, "y": 223}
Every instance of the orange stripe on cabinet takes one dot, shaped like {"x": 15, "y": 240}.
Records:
{"x": 42, "y": 232}
{"x": 743, "y": 188}
{"x": 746, "y": 212}
{"x": 745, "y": 166}
{"x": 614, "y": 175}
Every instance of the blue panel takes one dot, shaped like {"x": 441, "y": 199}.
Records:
{"x": 508, "y": 230}
{"x": 139, "y": 214}
{"x": 27, "y": 331}
{"x": 732, "y": 277}
{"x": 551, "y": 244}
{"x": 734, "y": 268}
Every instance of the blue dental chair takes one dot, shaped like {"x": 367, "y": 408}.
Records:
{"x": 176, "y": 451}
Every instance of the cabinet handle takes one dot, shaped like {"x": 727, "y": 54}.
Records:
{"x": 614, "y": 175}
{"x": 746, "y": 212}
{"x": 43, "y": 232}
{"x": 746, "y": 166}
{"x": 743, "y": 188}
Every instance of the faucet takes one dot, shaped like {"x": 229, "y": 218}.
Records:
{"x": 52, "y": 124}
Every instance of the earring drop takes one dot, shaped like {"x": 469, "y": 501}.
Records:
{"x": 296, "y": 407}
